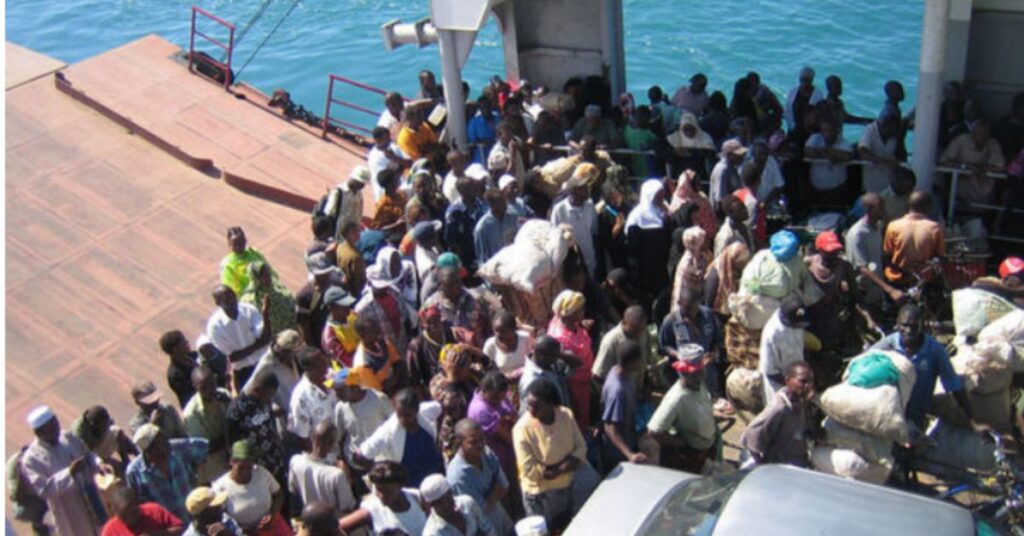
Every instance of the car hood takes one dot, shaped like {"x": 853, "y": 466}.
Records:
{"x": 776, "y": 499}
{"x": 625, "y": 498}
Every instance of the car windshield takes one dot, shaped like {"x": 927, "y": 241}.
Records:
{"x": 693, "y": 509}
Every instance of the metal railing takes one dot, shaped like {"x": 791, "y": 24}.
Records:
{"x": 332, "y": 100}
{"x": 955, "y": 173}
{"x": 224, "y": 66}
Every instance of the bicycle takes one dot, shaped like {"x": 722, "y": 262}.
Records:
{"x": 996, "y": 497}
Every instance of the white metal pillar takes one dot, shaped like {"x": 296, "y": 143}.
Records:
{"x": 455, "y": 101}
{"x": 929, "y": 91}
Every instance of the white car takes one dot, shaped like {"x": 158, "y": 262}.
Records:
{"x": 769, "y": 499}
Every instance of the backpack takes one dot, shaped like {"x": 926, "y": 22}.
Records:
{"x": 329, "y": 206}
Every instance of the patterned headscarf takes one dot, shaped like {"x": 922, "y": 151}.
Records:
{"x": 568, "y": 302}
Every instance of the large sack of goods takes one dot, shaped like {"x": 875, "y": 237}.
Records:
{"x": 973, "y": 309}
{"x": 875, "y": 400}
{"x": 1002, "y": 341}
{"x": 752, "y": 311}
{"x": 745, "y": 387}
{"x": 848, "y": 463}
{"x": 532, "y": 259}
{"x": 853, "y": 454}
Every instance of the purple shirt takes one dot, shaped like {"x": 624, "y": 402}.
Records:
{"x": 489, "y": 417}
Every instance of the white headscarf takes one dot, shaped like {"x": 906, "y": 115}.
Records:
{"x": 647, "y": 215}
{"x": 700, "y": 140}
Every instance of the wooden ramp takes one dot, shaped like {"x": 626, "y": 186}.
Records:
{"x": 116, "y": 219}
{"x": 146, "y": 87}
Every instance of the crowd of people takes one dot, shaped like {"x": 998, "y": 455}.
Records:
{"x": 399, "y": 392}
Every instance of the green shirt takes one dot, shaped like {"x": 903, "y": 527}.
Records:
{"x": 234, "y": 269}
{"x": 689, "y": 414}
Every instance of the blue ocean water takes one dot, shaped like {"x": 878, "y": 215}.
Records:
{"x": 866, "y": 43}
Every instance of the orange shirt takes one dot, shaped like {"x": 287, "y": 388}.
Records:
{"x": 910, "y": 242}
{"x": 412, "y": 142}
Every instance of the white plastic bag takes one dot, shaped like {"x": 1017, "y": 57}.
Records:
{"x": 869, "y": 447}
{"x": 877, "y": 411}
{"x": 848, "y": 464}
{"x": 973, "y": 309}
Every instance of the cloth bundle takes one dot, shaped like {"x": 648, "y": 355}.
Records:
{"x": 532, "y": 260}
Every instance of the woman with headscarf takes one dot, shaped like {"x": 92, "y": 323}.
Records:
{"x": 401, "y": 273}
{"x": 648, "y": 240}
{"x": 691, "y": 146}
{"x": 690, "y": 272}
{"x": 723, "y": 278}
{"x": 263, "y": 285}
{"x": 688, "y": 192}
{"x": 570, "y": 330}
{"x": 453, "y": 388}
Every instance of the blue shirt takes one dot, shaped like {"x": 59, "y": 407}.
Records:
{"x": 931, "y": 362}
{"x": 492, "y": 234}
{"x": 169, "y": 490}
{"x": 466, "y": 479}
{"x": 480, "y": 130}
{"x": 421, "y": 457}
{"x": 618, "y": 408}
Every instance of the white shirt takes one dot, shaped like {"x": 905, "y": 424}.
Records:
{"x": 232, "y": 335}
{"x": 377, "y": 161}
{"x": 425, "y": 260}
{"x": 509, "y": 362}
{"x": 877, "y": 177}
{"x": 771, "y": 179}
{"x": 309, "y": 406}
{"x": 247, "y": 504}
{"x": 390, "y": 122}
{"x": 388, "y": 442}
{"x": 780, "y": 346}
{"x": 410, "y": 521}
{"x": 449, "y": 187}
{"x": 476, "y": 522}
{"x": 864, "y": 245}
{"x": 314, "y": 479}
{"x": 356, "y": 421}
{"x": 826, "y": 175}
{"x": 351, "y": 205}
{"x": 583, "y": 220}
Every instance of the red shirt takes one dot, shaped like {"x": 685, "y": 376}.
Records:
{"x": 152, "y": 517}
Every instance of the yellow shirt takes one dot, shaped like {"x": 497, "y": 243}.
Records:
{"x": 538, "y": 446}
{"x": 411, "y": 143}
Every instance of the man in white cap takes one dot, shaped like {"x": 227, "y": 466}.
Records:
{"x": 451, "y": 514}
{"x": 802, "y": 97}
{"x": 153, "y": 410}
{"x": 725, "y": 176}
{"x": 57, "y": 466}
{"x": 509, "y": 186}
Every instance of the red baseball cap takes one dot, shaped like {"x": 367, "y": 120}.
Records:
{"x": 827, "y": 242}
{"x": 1011, "y": 266}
